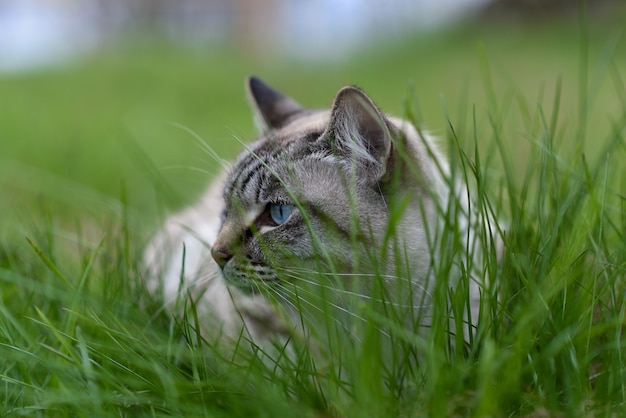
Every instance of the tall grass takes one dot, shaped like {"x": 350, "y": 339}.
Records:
{"x": 81, "y": 336}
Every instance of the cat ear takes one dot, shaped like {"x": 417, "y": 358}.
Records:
{"x": 358, "y": 128}
{"x": 272, "y": 108}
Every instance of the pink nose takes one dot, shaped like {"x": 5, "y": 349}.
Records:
{"x": 221, "y": 255}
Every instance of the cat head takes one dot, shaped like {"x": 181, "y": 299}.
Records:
{"x": 313, "y": 188}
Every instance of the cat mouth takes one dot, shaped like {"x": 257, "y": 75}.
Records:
{"x": 249, "y": 280}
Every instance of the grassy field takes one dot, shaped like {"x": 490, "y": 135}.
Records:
{"x": 93, "y": 153}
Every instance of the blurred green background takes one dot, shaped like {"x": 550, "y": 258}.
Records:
{"x": 122, "y": 120}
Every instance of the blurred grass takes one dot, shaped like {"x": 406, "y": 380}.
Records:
{"x": 75, "y": 136}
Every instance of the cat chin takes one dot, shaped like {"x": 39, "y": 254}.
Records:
{"x": 248, "y": 283}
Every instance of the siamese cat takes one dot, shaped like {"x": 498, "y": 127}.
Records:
{"x": 346, "y": 199}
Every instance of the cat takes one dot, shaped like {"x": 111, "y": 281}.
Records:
{"x": 348, "y": 193}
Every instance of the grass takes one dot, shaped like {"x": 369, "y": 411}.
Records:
{"x": 92, "y": 152}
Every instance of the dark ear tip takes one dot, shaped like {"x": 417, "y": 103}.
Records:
{"x": 253, "y": 83}
{"x": 260, "y": 91}
{"x": 253, "y": 80}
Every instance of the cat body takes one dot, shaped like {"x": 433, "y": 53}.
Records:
{"x": 347, "y": 192}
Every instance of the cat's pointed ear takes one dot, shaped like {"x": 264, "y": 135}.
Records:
{"x": 272, "y": 108}
{"x": 359, "y": 129}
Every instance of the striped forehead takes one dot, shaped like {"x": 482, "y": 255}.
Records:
{"x": 251, "y": 171}
{"x": 252, "y": 174}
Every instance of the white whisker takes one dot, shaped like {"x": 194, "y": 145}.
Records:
{"x": 310, "y": 320}
{"x": 291, "y": 273}
{"x": 312, "y": 305}
{"x": 321, "y": 298}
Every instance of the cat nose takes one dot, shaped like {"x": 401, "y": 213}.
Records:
{"x": 221, "y": 255}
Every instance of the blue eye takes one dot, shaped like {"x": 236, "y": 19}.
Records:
{"x": 280, "y": 213}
